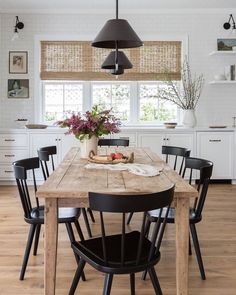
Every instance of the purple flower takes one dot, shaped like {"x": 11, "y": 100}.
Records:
{"x": 95, "y": 122}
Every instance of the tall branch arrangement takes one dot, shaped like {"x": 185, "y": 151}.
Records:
{"x": 187, "y": 96}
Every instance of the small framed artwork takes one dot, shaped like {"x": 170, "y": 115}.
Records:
{"x": 18, "y": 62}
{"x": 18, "y": 88}
{"x": 226, "y": 44}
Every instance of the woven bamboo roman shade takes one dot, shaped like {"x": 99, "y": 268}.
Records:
{"x": 77, "y": 60}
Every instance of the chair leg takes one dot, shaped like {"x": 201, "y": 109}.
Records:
{"x": 87, "y": 222}
{"x": 27, "y": 250}
{"x": 132, "y": 283}
{"x": 197, "y": 250}
{"x": 77, "y": 276}
{"x": 155, "y": 282}
{"x": 91, "y": 214}
{"x": 72, "y": 240}
{"x": 36, "y": 241}
{"x": 77, "y": 225}
{"x": 107, "y": 284}
{"x": 129, "y": 218}
{"x": 189, "y": 246}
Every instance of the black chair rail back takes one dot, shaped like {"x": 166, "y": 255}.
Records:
{"x": 130, "y": 203}
{"x": 176, "y": 152}
{"x": 20, "y": 170}
{"x": 45, "y": 155}
{"x": 205, "y": 168}
{"x": 113, "y": 142}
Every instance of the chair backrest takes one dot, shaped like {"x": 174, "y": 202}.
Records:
{"x": 45, "y": 155}
{"x": 133, "y": 203}
{"x": 21, "y": 168}
{"x": 178, "y": 153}
{"x": 113, "y": 142}
{"x": 205, "y": 168}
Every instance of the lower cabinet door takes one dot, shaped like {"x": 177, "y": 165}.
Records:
{"x": 218, "y": 148}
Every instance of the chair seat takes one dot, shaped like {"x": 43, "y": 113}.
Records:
{"x": 91, "y": 251}
{"x": 64, "y": 215}
{"x": 154, "y": 214}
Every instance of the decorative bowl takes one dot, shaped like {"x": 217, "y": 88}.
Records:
{"x": 170, "y": 125}
{"x": 36, "y": 126}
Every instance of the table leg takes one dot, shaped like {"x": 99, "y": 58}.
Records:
{"x": 182, "y": 243}
{"x": 50, "y": 255}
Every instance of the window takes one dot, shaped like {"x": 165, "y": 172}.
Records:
{"x": 61, "y": 97}
{"x": 132, "y": 102}
{"x": 153, "y": 109}
{"x": 115, "y": 96}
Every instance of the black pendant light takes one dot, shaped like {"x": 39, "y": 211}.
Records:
{"x": 117, "y": 62}
{"x": 117, "y": 32}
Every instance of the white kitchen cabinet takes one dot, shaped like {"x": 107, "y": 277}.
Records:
{"x": 218, "y": 148}
{"x": 155, "y": 141}
{"x": 13, "y": 147}
{"x": 61, "y": 141}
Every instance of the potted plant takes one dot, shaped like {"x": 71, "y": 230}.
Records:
{"x": 186, "y": 97}
{"x": 90, "y": 126}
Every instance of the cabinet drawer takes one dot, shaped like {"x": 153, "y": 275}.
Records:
{"x": 9, "y": 156}
{"x": 13, "y": 140}
{"x": 6, "y": 172}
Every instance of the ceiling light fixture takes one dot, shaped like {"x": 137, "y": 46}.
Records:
{"x": 18, "y": 26}
{"x": 117, "y": 62}
{"x": 117, "y": 33}
{"x": 230, "y": 24}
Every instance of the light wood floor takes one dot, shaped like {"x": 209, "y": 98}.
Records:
{"x": 217, "y": 234}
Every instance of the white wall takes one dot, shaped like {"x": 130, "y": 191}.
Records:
{"x": 218, "y": 102}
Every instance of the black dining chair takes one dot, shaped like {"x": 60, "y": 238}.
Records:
{"x": 46, "y": 155}
{"x": 113, "y": 142}
{"x": 178, "y": 154}
{"x": 204, "y": 167}
{"x": 34, "y": 212}
{"x": 125, "y": 252}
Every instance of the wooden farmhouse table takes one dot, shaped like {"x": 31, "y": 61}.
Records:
{"x": 69, "y": 184}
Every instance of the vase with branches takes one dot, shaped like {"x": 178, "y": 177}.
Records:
{"x": 187, "y": 95}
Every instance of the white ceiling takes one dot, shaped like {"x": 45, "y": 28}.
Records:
{"x": 106, "y": 5}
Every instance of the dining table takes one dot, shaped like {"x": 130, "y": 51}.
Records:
{"x": 71, "y": 182}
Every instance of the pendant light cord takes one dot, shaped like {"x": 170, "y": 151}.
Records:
{"x": 116, "y": 9}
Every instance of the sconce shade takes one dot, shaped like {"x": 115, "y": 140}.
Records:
{"x": 117, "y": 32}
{"x": 110, "y": 62}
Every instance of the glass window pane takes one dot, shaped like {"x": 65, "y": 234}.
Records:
{"x": 153, "y": 109}
{"x": 61, "y": 98}
{"x": 115, "y": 96}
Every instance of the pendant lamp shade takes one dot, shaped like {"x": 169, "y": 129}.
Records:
{"x": 117, "y": 32}
{"x": 122, "y": 60}
{"x": 122, "y": 63}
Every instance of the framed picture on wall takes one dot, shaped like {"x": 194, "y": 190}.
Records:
{"x": 18, "y": 88}
{"x": 18, "y": 62}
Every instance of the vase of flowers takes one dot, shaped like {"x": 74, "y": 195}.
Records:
{"x": 90, "y": 126}
{"x": 185, "y": 97}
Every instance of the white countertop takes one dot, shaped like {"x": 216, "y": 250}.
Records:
{"x": 124, "y": 129}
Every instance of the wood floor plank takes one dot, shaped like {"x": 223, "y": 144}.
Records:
{"x": 217, "y": 234}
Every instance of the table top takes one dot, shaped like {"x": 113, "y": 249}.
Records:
{"x": 72, "y": 180}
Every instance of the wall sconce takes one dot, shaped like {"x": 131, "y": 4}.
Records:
{"x": 230, "y": 24}
{"x": 18, "y": 26}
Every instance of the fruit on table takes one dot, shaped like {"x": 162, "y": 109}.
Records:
{"x": 116, "y": 156}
